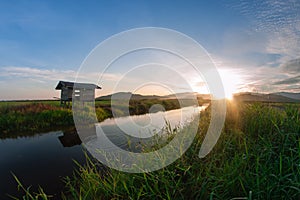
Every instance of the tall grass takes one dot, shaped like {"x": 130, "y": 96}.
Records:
{"x": 256, "y": 157}
{"x": 33, "y": 117}
{"x": 28, "y": 194}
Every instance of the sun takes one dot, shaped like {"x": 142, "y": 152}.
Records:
{"x": 231, "y": 80}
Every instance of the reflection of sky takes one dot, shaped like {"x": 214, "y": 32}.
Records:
{"x": 152, "y": 123}
{"x": 120, "y": 130}
{"x": 43, "y": 42}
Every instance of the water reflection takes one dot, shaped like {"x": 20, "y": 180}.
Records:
{"x": 45, "y": 158}
{"x": 128, "y": 132}
{"x": 39, "y": 159}
{"x": 69, "y": 139}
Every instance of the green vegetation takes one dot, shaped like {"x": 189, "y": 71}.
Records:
{"x": 138, "y": 107}
{"x": 28, "y": 195}
{"x": 33, "y": 116}
{"x": 256, "y": 157}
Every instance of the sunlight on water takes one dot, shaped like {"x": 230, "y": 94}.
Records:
{"x": 139, "y": 128}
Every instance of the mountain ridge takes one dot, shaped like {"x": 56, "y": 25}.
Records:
{"x": 280, "y": 97}
{"x": 244, "y": 96}
{"x": 129, "y": 95}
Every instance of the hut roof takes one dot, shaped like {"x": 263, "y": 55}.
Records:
{"x": 70, "y": 85}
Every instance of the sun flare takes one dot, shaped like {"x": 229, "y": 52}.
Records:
{"x": 231, "y": 82}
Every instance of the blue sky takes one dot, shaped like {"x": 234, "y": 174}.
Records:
{"x": 42, "y": 42}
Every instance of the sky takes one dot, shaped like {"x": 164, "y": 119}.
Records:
{"x": 254, "y": 44}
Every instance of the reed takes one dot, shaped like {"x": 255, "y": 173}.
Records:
{"x": 256, "y": 157}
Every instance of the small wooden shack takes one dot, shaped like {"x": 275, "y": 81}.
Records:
{"x": 85, "y": 92}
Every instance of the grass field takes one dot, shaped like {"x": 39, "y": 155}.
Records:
{"x": 38, "y": 116}
{"x": 256, "y": 157}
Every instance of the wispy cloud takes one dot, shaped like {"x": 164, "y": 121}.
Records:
{"x": 289, "y": 81}
{"x": 42, "y": 75}
{"x": 292, "y": 66}
{"x": 36, "y": 74}
{"x": 36, "y": 83}
{"x": 279, "y": 20}
{"x": 269, "y": 48}
{"x": 269, "y": 14}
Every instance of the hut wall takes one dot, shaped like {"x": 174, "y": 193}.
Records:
{"x": 84, "y": 95}
{"x": 66, "y": 94}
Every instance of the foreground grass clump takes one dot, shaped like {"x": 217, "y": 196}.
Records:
{"x": 256, "y": 157}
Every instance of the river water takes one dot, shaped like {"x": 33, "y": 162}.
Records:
{"x": 45, "y": 158}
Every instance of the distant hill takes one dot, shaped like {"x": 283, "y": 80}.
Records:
{"x": 280, "y": 97}
{"x": 127, "y": 95}
{"x": 187, "y": 95}
{"x": 273, "y": 97}
{"x": 289, "y": 95}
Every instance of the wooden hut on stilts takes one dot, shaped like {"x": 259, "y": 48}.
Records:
{"x": 84, "y": 91}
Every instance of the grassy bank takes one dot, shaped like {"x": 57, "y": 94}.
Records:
{"x": 256, "y": 157}
{"x": 33, "y": 116}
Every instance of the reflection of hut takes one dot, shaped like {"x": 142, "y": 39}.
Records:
{"x": 69, "y": 139}
{"x": 84, "y": 91}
